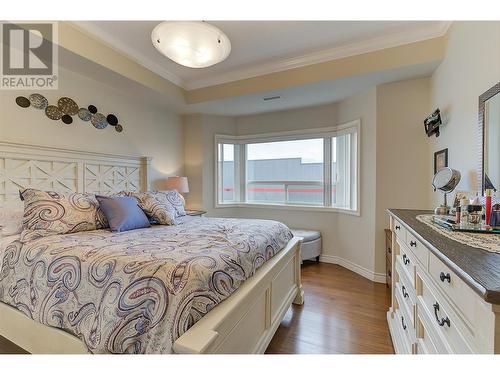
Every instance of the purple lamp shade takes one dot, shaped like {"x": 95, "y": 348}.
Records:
{"x": 178, "y": 183}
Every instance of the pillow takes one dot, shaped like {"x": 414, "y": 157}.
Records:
{"x": 122, "y": 213}
{"x": 11, "y": 217}
{"x": 157, "y": 207}
{"x": 177, "y": 200}
{"x": 47, "y": 213}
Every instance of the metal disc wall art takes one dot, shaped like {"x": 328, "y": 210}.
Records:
{"x": 67, "y": 119}
{"x": 112, "y": 120}
{"x": 53, "y": 112}
{"x": 99, "y": 121}
{"x": 84, "y": 114}
{"x": 38, "y": 101}
{"x": 68, "y": 106}
{"x": 23, "y": 102}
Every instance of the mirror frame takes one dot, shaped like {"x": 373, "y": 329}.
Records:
{"x": 482, "y": 100}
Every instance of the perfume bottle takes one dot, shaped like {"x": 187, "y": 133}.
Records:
{"x": 474, "y": 214}
{"x": 464, "y": 203}
{"x": 495, "y": 216}
{"x": 488, "y": 206}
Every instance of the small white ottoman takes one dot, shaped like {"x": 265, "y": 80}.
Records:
{"x": 311, "y": 245}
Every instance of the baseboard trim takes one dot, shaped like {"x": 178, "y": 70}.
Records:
{"x": 370, "y": 275}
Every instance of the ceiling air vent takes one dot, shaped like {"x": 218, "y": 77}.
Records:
{"x": 267, "y": 98}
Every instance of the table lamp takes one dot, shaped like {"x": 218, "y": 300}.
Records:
{"x": 178, "y": 183}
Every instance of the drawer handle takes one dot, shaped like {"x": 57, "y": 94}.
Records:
{"x": 413, "y": 243}
{"x": 403, "y": 290}
{"x": 444, "y": 277}
{"x": 397, "y": 227}
{"x": 406, "y": 260}
{"x": 403, "y": 322}
{"x": 441, "y": 321}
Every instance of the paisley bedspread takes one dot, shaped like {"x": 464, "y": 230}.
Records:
{"x": 137, "y": 291}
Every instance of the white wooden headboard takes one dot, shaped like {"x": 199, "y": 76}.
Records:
{"x": 55, "y": 169}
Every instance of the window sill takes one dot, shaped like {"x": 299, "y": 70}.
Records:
{"x": 288, "y": 207}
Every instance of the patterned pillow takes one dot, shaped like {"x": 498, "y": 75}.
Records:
{"x": 47, "y": 213}
{"x": 11, "y": 217}
{"x": 176, "y": 199}
{"x": 157, "y": 206}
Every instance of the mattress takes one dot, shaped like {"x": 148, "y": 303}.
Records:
{"x": 137, "y": 291}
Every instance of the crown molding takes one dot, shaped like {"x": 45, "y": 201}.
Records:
{"x": 97, "y": 33}
{"x": 366, "y": 46}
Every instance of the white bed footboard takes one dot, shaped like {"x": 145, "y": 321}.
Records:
{"x": 246, "y": 321}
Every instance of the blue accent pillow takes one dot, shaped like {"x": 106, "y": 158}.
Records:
{"x": 123, "y": 213}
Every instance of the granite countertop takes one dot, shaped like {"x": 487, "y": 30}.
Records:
{"x": 480, "y": 269}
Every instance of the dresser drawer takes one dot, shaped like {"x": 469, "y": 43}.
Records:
{"x": 453, "y": 288}
{"x": 388, "y": 243}
{"x": 388, "y": 272}
{"x": 388, "y": 250}
{"x": 403, "y": 328}
{"x": 406, "y": 285}
{"x": 407, "y": 261}
{"x": 425, "y": 342}
{"x": 399, "y": 230}
{"x": 444, "y": 321}
{"x": 405, "y": 303}
{"x": 418, "y": 249}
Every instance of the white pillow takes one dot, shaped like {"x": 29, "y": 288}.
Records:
{"x": 11, "y": 217}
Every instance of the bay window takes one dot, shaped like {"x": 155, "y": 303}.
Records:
{"x": 313, "y": 168}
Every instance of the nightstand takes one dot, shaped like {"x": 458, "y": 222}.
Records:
{"x": 195, "y": 212}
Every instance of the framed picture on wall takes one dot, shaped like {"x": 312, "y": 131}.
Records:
{"x": 440, "y": 160}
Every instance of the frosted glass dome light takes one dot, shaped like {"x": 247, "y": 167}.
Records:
{"x": 192, "y": 44}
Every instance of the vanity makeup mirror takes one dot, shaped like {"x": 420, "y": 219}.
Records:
{"x": 446, "y": 180}
{"x": 489, "y": 128}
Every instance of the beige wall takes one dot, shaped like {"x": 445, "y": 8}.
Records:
{"x": 295, "y": 119}
{"x": 355, "y": 236}
{"x": 470, "y": 67}
{"x": 199, "y": 160}
{"x": 403, "y": 153}
{"x": 148, "y": 130}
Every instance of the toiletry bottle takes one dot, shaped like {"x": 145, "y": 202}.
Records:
{"x": 464, "y": 202}
{"x": 488, "y": 206}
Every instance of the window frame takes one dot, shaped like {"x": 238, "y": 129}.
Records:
{"x": 326, "y": 133}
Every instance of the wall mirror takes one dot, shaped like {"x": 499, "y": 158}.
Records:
{"x": 489, "y": 127}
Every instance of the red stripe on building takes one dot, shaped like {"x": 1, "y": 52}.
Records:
{"x": 279, "y": 190}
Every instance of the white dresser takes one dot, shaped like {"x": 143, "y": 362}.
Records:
{"x": 445, "y": 295}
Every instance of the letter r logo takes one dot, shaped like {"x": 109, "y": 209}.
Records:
{"x": 27, "y": 49}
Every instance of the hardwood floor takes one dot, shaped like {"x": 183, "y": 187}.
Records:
{"x": 6, "y": 347}
{"x": 343, "y": 313}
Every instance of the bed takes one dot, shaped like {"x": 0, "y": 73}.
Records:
{"x": 206, "y": 285}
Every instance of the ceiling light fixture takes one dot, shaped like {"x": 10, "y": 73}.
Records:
{"x": 192, "y": 44}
